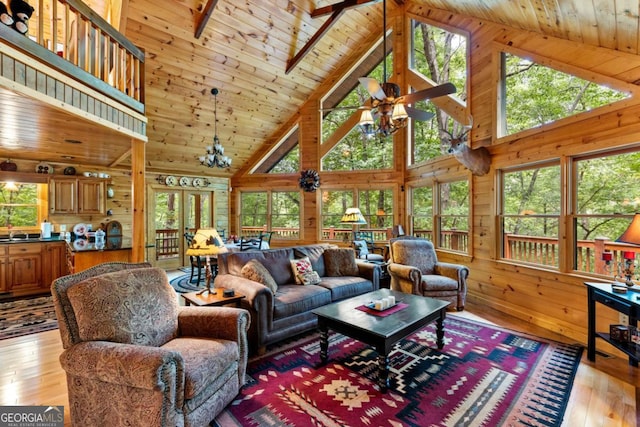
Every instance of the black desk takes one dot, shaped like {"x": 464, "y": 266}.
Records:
{"x": 627, "y": 303}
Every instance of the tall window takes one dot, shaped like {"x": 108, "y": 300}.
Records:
{"x": 376, "y": 207}
{"x": 453, "y": 215}
{"x": 422, "y": 212}
{"x": 334, "y": 204}
{"x": 530, "y": 212}
{"x": 353, "y": 151}
{"x": 285, "y": 214}
{"x": 605, "y": 202}
{"x": 440, "y": 56}
{"x": 253, "y": 212}
{"x": 277, "y": 211}
{"x": 533, "y": 95}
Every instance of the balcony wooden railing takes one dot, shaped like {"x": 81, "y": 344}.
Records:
{"x": 167, "y": 239}
{"x": 71, "y": 30}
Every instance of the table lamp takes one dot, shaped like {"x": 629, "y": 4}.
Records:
{"x": 354, "y": 217}
{"x": 206, "y": 242}
{"x": 630, "y": 235}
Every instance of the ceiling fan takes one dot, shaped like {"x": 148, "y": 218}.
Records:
{"x": 387, "y": 105}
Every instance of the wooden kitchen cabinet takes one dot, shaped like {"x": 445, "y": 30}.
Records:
{"x": 4, "y": 260}
{"x": 77, "y": 195}
{"x": 63, "y": 195}
{"x": 91, "y": 196}
{"x": 25, "y": 268}
{"x": 54, "y": 262}
{"x": 29, "y": 268}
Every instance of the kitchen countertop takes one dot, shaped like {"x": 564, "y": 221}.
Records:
{"x": 113, "y": 244}
{"x": 6, "y": 240}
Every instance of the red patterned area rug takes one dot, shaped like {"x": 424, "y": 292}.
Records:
{"x": 484, "y": 376}
{"x": 27, "y": 316}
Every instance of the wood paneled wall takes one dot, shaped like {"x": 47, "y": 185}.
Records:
{"x": 552, "y": 299}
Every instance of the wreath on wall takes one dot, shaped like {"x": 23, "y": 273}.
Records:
{"x": 309, "y": 180}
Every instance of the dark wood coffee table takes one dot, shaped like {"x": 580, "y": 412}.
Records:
{"x": 380, "y": 332}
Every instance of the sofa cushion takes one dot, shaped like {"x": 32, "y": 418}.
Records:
{"x": 346, "y": 286}
{"x": 254, "y": 270}
{"x": 340, "y": 262}
{"x": 294, "y": 299}
{"x": 129, "y": 306}
{"x": 435, "y": 282}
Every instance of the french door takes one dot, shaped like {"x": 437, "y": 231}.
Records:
{"x": 176, "y": 211}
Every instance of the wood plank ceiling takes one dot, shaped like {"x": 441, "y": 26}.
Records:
{"x": 244, "y": 49}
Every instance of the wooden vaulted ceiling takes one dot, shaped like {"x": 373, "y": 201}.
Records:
{"x": 245, "y": 49}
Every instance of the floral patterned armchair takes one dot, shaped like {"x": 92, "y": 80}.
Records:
{"x": 133, "y": 356}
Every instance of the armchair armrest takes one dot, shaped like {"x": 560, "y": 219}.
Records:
{"x": 214, "y": 322}
{"x": 219, "y": 323}
{"x": 456, "y": 272}
{"x": 111, "y": 363}
{"x": 407, "y": 278}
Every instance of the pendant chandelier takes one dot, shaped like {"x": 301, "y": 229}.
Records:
{"x": 215, "y": 153}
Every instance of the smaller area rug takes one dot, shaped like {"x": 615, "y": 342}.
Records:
{"x": 484, "y": 376}
{"x": 27, "y": 316}
{"x": 182, "y": 285}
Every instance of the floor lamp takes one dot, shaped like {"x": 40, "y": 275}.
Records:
{"x": 207, "y": 243}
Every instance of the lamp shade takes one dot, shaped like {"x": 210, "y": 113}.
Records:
{"x": 399, "y": 112}
{"x": 353, "y": 216}
{"x": 366, "y": 118}
{"x": 206, "y": 241}
{"x": 632, "y": 233}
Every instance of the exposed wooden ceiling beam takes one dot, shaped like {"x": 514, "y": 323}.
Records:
{"x": 204, "y": 17}
{"x": 335, "y": 10}
{"x": 346, "y": 4}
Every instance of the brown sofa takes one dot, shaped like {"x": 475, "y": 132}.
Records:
{"x": 287, "y": 311}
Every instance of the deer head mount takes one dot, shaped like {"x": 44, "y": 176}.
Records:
{"x": 477, "y": 160}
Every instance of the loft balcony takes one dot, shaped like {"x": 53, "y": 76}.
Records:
{"x": 73, "y": 76}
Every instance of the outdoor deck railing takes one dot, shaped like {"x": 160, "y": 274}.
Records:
{"x": 537, "y": 250}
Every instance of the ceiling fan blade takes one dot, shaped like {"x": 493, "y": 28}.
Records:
{"x": 373, "y": 87}
{"x": 416, "y": 114}
{"x": 434, "y": 92}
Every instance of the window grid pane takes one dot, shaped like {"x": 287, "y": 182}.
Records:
{"x": 531, "y": 200}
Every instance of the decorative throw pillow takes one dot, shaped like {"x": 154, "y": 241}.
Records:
{"x": 340, "y": 262}
{"x": 300, "y": 267}
{"x": 254, "y": 270}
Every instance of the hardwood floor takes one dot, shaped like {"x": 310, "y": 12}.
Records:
{"x": 605, "y": 393}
